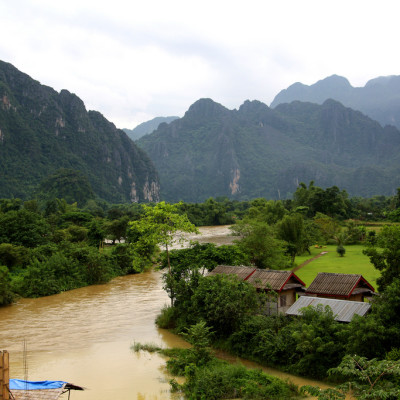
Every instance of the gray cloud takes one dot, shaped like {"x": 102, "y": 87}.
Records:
{"x": 136, "y": 60}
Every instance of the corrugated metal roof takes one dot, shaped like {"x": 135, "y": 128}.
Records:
{"x": 275, "y": 279}
{"x": 344, "y": 310}
{"x": 241, "y": 271}
{"x": 336, "y": 284}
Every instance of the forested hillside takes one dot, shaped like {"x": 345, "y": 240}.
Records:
{"x": 257, "y": 151}
{"x": 42, "y": 131}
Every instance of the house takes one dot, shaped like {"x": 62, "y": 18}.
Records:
{"x": 343, "y": 310}
{"x": 351, "y": 287}
{"x": 285, "y": 283}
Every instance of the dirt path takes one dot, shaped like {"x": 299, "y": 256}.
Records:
{"x": 308, "y": 261}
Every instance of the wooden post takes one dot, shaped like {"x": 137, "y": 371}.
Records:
{"x": 4, "y": 375}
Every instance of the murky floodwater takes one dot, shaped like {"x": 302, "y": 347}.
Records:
{"x": 84, "y": 336}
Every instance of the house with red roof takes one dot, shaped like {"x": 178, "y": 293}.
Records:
{"x": 286, "y": 284}
{"x": 353, "y": 287}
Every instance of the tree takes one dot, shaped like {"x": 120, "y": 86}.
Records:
{"x": 377, "y": 333}
{"x": 204, "y": 256}
{"x": 67, "y": 184}
{"x": 316, "y": 341}
{"x": 385, "y": 255}
{"x": 329, "y": 227}
{"x": 198, "y": 336}
{"x": 23, "y": 228}
{"x": 164, "y": 225}
{"x": 258, "y": 241}
{"x": 96, "y": 233}
{"x": 330, "y": 201}
{"x": 117, "y": 228}
{"x": 369, "y": 379}
{"x": 13, "y": 256}
{"x": 223, "y": 302}
{"x": 6, "y": 294}
{"x": 269, "y": 211}
{"x": 291, "y": 230}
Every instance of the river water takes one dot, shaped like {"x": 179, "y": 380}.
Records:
{"x": 84, "y": 337}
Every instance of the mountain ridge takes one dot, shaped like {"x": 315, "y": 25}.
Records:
{"x": 257, "y": 151}
{"x": 147, "y": 127}
{"x": 379, "y": 98}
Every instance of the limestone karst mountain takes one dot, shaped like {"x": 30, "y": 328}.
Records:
{"x": 42, "y": 131}
{"x": 258, "y": 151}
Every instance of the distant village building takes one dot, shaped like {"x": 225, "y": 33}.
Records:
{"x": 285, "y": 283}
{"x": 351, "y": 287}
{"x": 343, "y": 310}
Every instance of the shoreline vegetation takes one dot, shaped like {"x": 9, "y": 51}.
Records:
{"x": 208, "y": 377}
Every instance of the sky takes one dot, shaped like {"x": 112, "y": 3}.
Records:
{"x": 136, "y": 60}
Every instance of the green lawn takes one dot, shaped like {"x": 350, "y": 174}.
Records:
{"x": 353, "y": 262}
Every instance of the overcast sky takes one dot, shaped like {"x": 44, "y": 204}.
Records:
{"x": 135, "y": 60}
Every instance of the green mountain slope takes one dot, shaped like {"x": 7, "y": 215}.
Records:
{"x": 257, "y": 151}
{"x": 42, "y": 131}
{"x": 379, "y": 98}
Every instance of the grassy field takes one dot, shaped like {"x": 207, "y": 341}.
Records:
{"x": 353, "y": 262}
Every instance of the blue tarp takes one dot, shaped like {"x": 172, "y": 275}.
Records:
{"x": 19, "y": 384}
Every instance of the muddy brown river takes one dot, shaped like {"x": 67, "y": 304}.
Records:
{"x": 84, "y": 336}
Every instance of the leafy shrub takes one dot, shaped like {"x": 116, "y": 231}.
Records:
{"x": 23, "y": 228}
{"x": 224, "y": 302}
{"x": 6, "y": 294}
{"x": 224, "y": 381}
{"x": 122, "y": 256}
{"x": 166, "y": 319}
{"x": 54, "y": 275}
{"x": 340, "y": 250}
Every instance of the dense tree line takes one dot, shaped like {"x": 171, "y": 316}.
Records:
{"x": 62, "y": 243}
{"x": 50, "y": 247}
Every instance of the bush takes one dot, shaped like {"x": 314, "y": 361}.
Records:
{"x": 340, "y": 250}
{"x": 122, "y": 256}
{"x": 224, "y": 302}
{"x": 6, "y": 294}
{"x": 56, "y": 274}
{"x": 166, "y": 319}
{"x": 224, "y": 381}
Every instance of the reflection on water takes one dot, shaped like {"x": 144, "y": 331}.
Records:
{"x": 84, "y": 336}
